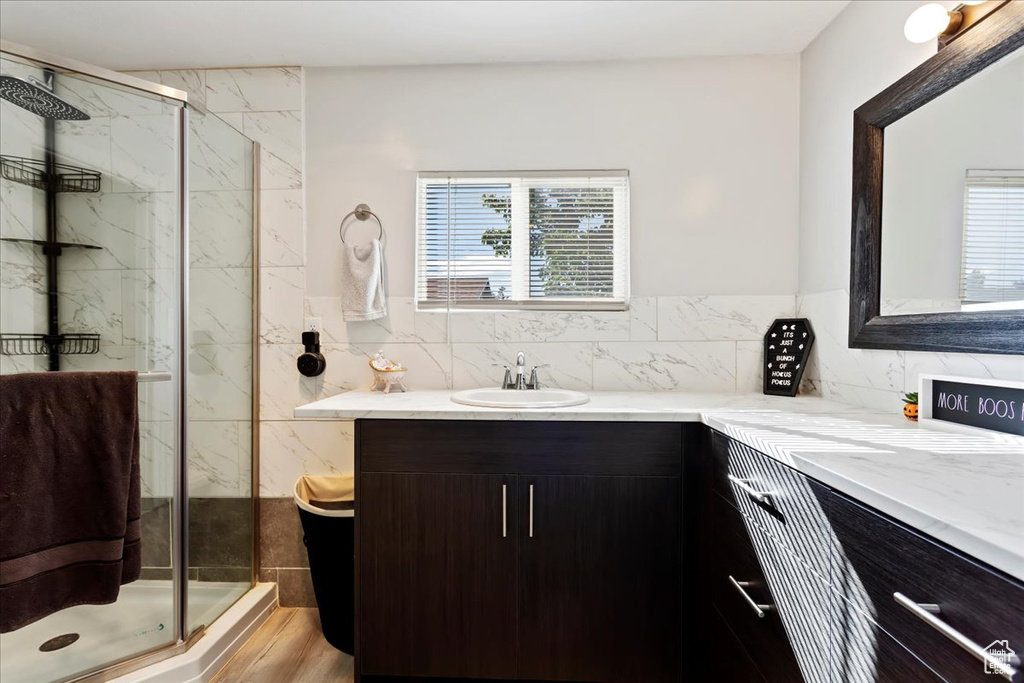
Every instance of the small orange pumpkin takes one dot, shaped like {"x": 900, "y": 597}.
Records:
{"x": 910, "y": 407}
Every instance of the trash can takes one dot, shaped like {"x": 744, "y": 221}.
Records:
{"x": 327, "y": 510}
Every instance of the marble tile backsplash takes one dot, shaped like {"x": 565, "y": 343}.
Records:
{"x": 879, "y": 378}
{"x": 615, "y": 350}
{"x": 710, "y": 344}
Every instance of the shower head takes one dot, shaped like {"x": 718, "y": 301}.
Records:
{"x": 37, "y": 98}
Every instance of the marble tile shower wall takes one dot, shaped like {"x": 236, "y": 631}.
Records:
{"x": 22, "y": 271}
{"x": 876, "y": 378}
{"x": 266, "y": 105}
{"x": 120, "y": 291}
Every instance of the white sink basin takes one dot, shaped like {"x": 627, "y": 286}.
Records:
{"x": 512, "y": 398}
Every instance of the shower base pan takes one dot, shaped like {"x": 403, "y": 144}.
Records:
{"x": 138, "y": 622}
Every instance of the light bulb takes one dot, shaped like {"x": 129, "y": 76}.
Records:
{"x": 973, "y": 2}
{"x": 926, "y": 23}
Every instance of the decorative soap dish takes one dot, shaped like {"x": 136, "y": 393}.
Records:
{"x": 387, "y": 374}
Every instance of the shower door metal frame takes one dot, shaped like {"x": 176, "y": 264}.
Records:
{"x": 179, "y": 504}
{"x": 254, "y": 475}
{"x": 179, "y": 517}
{"x": 93, "y": 71}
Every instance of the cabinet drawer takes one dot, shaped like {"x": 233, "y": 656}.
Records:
{"x": 785, "y": 503}
{"x": 728, "y": 660}
{"x": 880, "y": 558}
{"x": 861, "y": 652}
{"x": 507, "y": 447}
{"x": 827, "y": 637}
{"x": 739, "y": 556}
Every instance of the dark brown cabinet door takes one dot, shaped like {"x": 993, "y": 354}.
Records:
{"x": 599, "y": 594}
{"x": 437, "y": 575}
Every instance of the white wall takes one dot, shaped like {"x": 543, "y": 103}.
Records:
{"x": 711, "y": 146}
{"x": 858, "y": 55}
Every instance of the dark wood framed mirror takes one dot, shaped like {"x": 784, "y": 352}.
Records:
{"x": 978, "y": 329}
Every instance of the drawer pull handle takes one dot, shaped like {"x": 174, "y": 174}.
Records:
{"x": 531, "y": 510}
{"x": 741, "y": 586}
{"x": 927, "y": 612}
{"x": 504, "y": 510}
{"x": 743, "y": 484}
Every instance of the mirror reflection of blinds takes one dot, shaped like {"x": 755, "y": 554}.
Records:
{"x": 551, "y": 240}
{"x": 992, "y": 259}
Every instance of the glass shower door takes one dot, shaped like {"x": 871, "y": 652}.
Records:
{"x": 222, "y": 254}
{"x": 107, "y": 188}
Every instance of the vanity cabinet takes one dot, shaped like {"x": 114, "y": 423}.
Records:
{"x": 510, "y": 550}
{"x": 819, "y": 573}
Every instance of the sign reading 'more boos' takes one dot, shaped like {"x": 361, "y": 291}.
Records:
{"x": 787, "y": 346}
{"x": 984, "y": 404}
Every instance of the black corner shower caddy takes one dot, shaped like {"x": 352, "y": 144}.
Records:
{"x": 52, "y": 178}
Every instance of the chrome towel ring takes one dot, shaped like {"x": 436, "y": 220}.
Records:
{"x": 361, "y": 212}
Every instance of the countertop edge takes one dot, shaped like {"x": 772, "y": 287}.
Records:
{"x": 500, "y": 414}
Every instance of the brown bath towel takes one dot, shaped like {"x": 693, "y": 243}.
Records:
{"x": 70, "y": 493}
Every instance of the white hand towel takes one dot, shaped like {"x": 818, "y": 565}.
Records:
{"x": 362, "y": 282}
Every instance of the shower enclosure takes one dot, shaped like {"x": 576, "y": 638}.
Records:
{"x": 128, "y": 227}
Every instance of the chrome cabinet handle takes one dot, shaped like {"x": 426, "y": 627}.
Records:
{"x": 531, "y": 510}
{"x": 744, "y": 485}
{"x": 504, "y": 511}
{"x": 927, "y": 612}
{"x": 759, "y": 610}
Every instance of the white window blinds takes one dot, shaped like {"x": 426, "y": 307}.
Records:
{"x": 523, "y": 240}
{"x": 993, "y": 247}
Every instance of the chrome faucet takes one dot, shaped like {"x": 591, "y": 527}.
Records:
{"x": 521, "y": 371}
{"x": 519, "y": 382}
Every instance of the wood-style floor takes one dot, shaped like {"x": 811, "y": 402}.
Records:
{"x": 288, "y": 647}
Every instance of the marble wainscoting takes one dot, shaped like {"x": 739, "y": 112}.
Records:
{"x": 878, "y": 378}
{"x": 699, "y": 343}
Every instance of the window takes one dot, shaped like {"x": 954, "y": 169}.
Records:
{"x": 992, "y": 260}
{"x": 523, "y": 240}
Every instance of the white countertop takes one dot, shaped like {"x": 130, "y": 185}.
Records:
{"x": 604, "y": 406}
{"x": 966, "y": 490}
